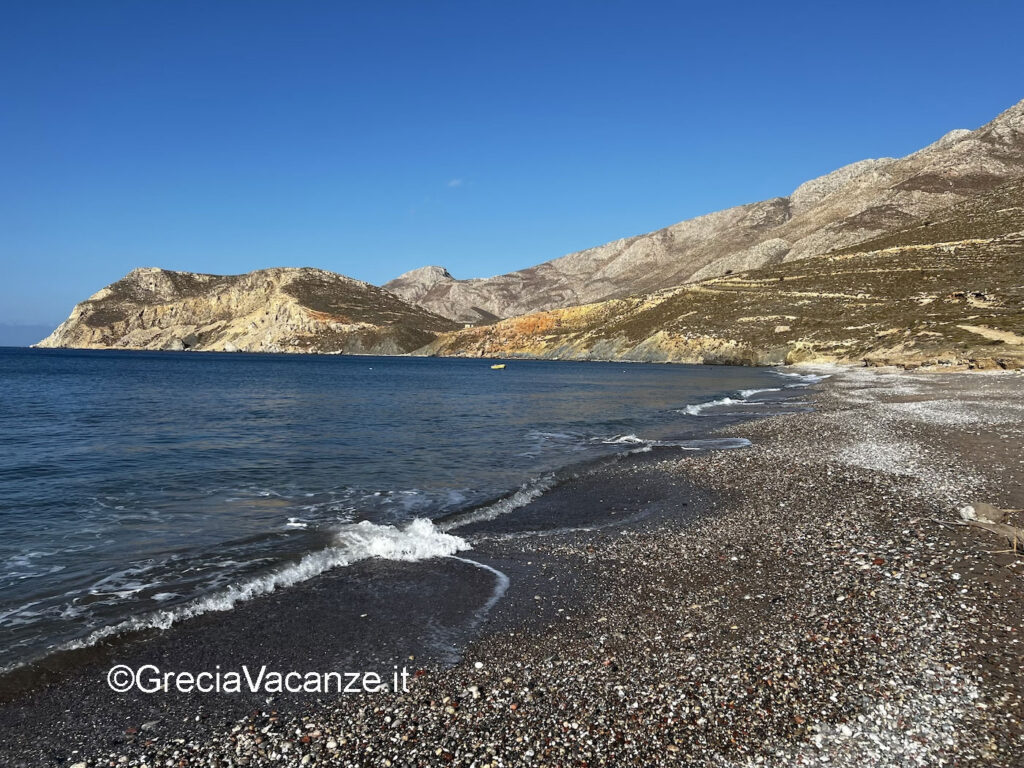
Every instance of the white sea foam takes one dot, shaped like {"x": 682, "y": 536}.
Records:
{"x": 642, "y": 449}
{"x": 623, "y": 440}
{"x": 741, "y": 397}
{"x": 804, "y": 379}
{"x": 520, "y": 498}
{"x": 417, "y": 540}
{"x": 716, "y": 444}
{"x": 699, "y": 408}
{"x": 745, "y": 393}
{"x": 501, "y": 582}
{"x": 125, "y": 583}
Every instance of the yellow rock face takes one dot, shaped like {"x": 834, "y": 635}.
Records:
{"x": 273, "y": 310}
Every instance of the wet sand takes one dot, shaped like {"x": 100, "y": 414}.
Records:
{"x": 792, "y": 603}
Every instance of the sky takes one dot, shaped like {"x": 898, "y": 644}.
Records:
{"x": 225, "y": 136}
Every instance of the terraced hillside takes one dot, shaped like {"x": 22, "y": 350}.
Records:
{"x": 945, "y": 291}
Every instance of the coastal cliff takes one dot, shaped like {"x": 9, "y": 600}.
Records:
{"x": 270, "y": 310}
{"x": 946, "y": 291}
{"x": 855, "y": 203}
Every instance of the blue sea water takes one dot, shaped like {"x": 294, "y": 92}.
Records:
{"x": 139, "y": 489}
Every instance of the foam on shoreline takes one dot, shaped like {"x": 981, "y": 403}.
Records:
{"x": 417, "y": 540}
{"x": 526, "y": 493}
{"x": 742, "y": 397}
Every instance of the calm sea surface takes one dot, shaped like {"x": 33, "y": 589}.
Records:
{"x": 139, "y": 489}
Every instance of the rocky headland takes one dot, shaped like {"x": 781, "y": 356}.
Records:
{"x": 270, "y": 310}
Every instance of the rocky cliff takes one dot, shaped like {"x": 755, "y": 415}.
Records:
{"x": 853, "y": 204}
{"x": 270, "y": 310}
{"x": 947, "y": 290}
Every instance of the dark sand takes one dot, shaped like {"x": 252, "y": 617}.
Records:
{"x": 788, "y": 604}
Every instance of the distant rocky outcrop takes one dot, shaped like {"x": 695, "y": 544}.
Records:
{"x": 270, "y": 310}
{"x": 418, "y": 286}
{"x": 855, "y": 203}
{"x": 947, "y": 290}
{"x": 416, "y": 283}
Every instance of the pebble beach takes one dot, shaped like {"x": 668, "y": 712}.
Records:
{"x": 809, "y": 600}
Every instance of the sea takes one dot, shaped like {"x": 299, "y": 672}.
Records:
{"x": 142, "y": 489}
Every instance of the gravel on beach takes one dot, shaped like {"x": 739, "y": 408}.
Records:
{"x": 820, "y": 613}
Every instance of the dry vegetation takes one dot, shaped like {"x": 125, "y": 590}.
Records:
{"x": 948, "y": 290}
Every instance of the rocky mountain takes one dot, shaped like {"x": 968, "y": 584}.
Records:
{"x": 947, "y": 290}
{"x": 418, "y": 284}
{"x": 270, "y": 310}
{"x": 850, "y": 205}
{"x": 415, "y": 284}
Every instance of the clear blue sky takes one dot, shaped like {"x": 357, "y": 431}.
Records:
{"x": 377, "y": 137}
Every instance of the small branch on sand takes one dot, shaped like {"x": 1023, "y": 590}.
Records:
{"x": 945, "y": 523}
{"x": 1011, "y": 532}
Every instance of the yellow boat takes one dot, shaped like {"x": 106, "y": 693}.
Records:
{"x": 497, "y": 366}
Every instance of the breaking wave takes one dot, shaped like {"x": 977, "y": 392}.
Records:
{"x": 699, "y": 408}
{"x": 804, "y": 379}
{"x": 419, "y": 539}
{"x": 745, "y": 393}
{"x": 742, "y": 397}
{"x": 705, "y": 444}
{"x": 526, "y": 493}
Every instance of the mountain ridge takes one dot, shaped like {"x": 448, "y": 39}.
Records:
{"x": 946, "y": 292}
{"x": 850, "y": 204}
{"x": 714, "y": 262}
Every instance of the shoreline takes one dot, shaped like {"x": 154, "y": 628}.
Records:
{"x": 746, "y": 359}
{"x": 764, "y": 630}
{"x": 358, "y": 602}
